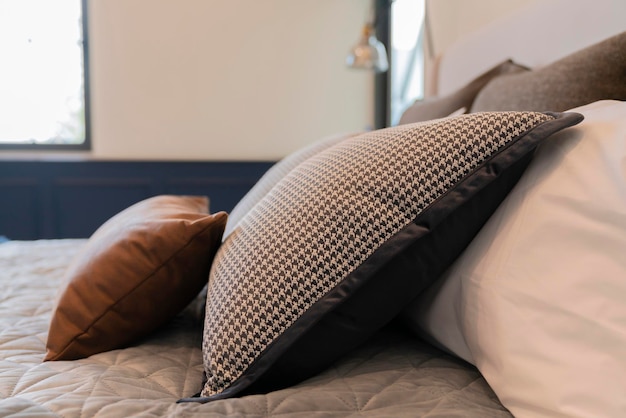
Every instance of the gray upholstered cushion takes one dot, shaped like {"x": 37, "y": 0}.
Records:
{"x": 594, "y": 73}
{"x": 440, "y": 107}
{"x": 346, "y": 239}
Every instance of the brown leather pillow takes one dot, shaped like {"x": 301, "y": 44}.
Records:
{"x": 138, "y": 270}
{"x": 463, "y": 98}
{"x": 597, "y": 72}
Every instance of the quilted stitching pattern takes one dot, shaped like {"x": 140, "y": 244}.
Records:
{"x": 392, "y": 376}
{"x": 325, "y": 218}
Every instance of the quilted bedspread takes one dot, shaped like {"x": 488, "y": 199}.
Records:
{"x": 393, "y": 375}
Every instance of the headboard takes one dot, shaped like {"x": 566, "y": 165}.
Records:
{"x": 535, "y": 35}
{"x": 520, "y": 303}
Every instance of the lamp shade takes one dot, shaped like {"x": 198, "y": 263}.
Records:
{"x": 369, "y": 53}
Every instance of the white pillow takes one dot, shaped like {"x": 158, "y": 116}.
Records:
{"x": 538, "y": 300}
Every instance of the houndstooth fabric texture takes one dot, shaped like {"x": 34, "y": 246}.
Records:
{"x": 327, "y": 217}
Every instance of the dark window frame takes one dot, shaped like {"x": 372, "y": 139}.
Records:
{"x": 385, "y": 111}
{"x": 86, "y": 145}
{"x": 381, "y": 81}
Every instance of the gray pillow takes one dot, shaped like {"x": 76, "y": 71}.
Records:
{"x": 597, "y": 72}
{"x": 440, "y": 107}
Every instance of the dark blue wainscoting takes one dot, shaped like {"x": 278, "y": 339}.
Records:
{"x": 71, "y": 199}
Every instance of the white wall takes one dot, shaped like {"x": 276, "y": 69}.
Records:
{"x": 452, "y": 19}
{"x": 531, "y": 32}
{"x": 236, "y": 79}
{"x": 223, "y": 80}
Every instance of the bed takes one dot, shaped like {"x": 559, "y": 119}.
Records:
{"x": 148, "y": 379}
{"x": 467, "y": 262}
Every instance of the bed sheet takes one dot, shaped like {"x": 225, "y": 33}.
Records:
{"x": 392, "y": 375}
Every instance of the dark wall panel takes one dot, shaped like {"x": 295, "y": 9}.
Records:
{"x": 225, "y": 193}
{"x": 80, "y": 206}
{"x": 20, "y": 207}
{"x": 52, "y": 199}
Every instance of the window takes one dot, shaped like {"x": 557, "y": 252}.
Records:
{"x": 407, "y": 56}
{"x": 400, "y": 26}
{"x": 43, "y": 77}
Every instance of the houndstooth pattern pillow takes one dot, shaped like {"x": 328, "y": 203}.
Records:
{"x": 274, "y": 175}
{"x": 323, "y": 221}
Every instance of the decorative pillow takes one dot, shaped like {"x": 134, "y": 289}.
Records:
{"x": 274, "y": 175}
{"x": 595, "y": 73}
{"x": 537, "y": 299}
{"x": 440, "y": 107}
{"x": 343, "y": 242}
{"x": 139, "y": 269}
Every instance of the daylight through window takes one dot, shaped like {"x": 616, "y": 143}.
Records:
{"x": 407, "y": 56}
{"x": 42, "y": 75}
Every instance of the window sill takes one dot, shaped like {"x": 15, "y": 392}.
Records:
{"x": 45, "y": 156}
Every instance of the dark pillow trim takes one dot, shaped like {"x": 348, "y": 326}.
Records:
{"x": 454, "y": 216}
